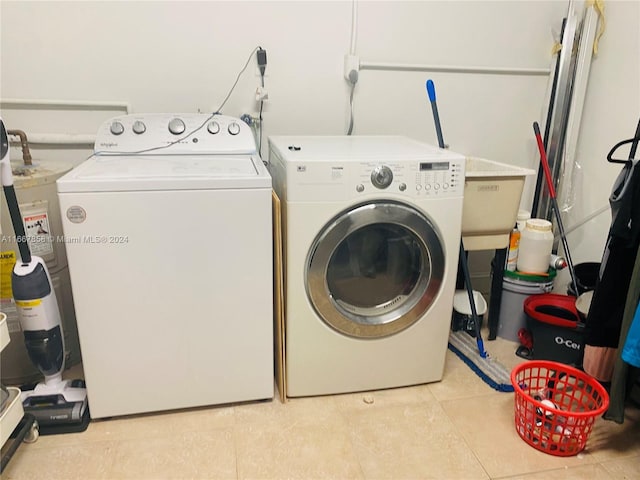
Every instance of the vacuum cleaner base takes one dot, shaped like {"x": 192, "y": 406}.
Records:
{"x": 58, "y": 408}
{"x": 58, "y": 428}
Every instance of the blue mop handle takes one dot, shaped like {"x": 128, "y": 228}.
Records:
{"x": 431, "y": 91}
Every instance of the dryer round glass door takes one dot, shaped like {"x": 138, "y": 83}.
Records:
{"x": 375, "y": 269}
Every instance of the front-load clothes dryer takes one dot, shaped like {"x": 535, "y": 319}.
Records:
{"x": 169, "y": 239}
{"x": 371, "y": 232}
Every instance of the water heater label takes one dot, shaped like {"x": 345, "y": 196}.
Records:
{"x": 38, "y": 233}
{"x": 76, "y": 214}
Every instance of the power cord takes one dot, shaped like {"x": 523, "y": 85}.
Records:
{"x": 262, "y": 65}
{"x": 353, "y": 79}
{"x": 257, "y": 49}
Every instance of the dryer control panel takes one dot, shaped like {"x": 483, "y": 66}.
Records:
{"x": 174, "y": 134}
{"x": 441, "y": 178}
{"x": 341, "y": 168}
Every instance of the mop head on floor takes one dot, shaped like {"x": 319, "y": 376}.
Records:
{"x": 492, "y": 372}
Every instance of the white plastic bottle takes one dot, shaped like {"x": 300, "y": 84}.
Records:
{"x": 521, "y": 219}
{"x": 536, "y": 244}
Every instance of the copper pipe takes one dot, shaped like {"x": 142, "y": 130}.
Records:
{"x": 24, "y": 143}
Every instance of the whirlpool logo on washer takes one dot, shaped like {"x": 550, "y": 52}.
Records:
{"x": 567, "y": 342}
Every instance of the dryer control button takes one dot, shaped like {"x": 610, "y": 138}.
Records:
{"x": 139, "y": 127}
{"x": 176, "y": 126}
{"x": 116, "y": 128}
{"x": 381, "y": 177}
{"x": 402, "y": 187}
{"x": 360, "y": 188}
{"x": 234, "y": 128}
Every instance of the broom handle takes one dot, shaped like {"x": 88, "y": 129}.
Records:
{"x": 554, "y": 203}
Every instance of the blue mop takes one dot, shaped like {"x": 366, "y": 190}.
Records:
{"x": 461, "y": 343}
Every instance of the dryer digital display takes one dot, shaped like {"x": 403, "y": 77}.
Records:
{"x": 427, "y": 166}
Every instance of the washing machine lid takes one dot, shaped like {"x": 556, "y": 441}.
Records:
{"x": 113, "y": 173}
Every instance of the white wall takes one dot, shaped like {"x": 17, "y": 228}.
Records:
{"x": 184, "y": 56}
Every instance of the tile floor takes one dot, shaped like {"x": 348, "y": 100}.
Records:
{"x": 458, "y": 428}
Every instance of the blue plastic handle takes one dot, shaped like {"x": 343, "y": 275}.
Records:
{"x": 431, "y": 90}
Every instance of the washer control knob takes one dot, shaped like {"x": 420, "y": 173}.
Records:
{"x": 381, "y": 177}
{"x": 176, "y": 126}
{"x": 139, "y": 127}
{"x": 116, "y": 128}
{"x": 213, "y": 127}
{"x": 402, "y": 187}
{"x": 234, "y": 128}
{"x": 360, "y": 188}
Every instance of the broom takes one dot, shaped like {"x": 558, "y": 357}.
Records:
{"x": 461, "y": 343}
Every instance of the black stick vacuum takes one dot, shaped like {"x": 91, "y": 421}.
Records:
{"x": 58, "y": 405}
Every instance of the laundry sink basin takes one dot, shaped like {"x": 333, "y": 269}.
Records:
{"x": 492, "y": 194}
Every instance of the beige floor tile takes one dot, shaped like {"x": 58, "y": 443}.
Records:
{"x": 593, "y": 471}
{"x": 354, "y": 402}
{"x": 296, "y": 411}
{"x": 623, "y": 468}
{"x": 610, "y": 440}
{"x": 192, "y": 455}
{"x": 410, "y": 442}
{"x": 307, "y": 451}
{"x": 93, "y": 460}
{"x": 487, "y": 424}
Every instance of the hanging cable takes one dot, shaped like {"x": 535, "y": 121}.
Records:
{"x": 350, "y": 129}
{"x": 262, "y": 65}
{"x": 352, "y": 74}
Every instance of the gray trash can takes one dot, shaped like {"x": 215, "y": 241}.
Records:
{"x": 516, "y": 288}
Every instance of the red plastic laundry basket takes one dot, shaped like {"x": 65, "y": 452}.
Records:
{"x": 556, "y": 406}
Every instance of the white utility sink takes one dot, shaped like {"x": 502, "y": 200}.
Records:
{"x": 492, "y": 194}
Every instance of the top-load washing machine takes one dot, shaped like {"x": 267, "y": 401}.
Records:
{"x": 169, "y": 241}
{"x": 371, "y": 231}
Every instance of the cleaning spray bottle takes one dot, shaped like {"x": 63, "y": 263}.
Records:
{"x": 514, "y": 244}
